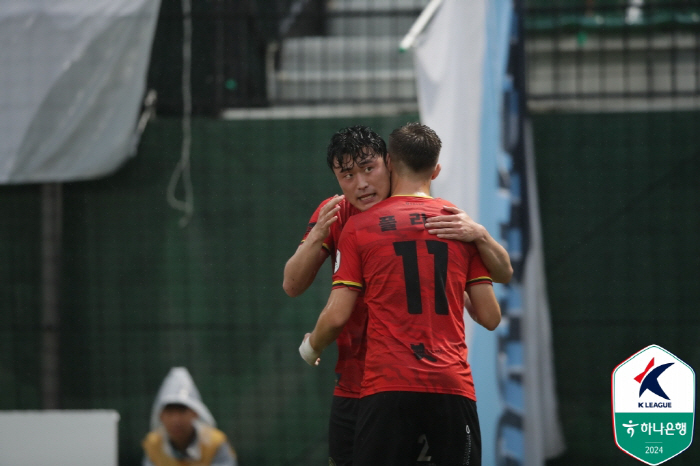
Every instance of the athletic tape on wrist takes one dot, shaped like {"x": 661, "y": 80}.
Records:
{"x": 307, "y": 352}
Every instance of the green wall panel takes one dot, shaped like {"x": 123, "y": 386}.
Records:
{"x": 620, "y": 208}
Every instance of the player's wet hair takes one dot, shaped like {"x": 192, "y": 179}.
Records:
{"x": 416, "y": 146}
{"x": 361, "y": 143}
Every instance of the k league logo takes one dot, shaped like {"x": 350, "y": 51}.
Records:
{"x": 653, "y": 402}
{"x": 651, "y": 382}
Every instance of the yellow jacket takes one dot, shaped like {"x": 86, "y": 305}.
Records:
{"x": 208, "y": 442}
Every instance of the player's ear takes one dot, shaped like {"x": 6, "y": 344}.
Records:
{"x": 436, "y": 172}
{"x": 388, "y": 162}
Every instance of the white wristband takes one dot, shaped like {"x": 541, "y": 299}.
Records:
{"x": 307, "y": 352}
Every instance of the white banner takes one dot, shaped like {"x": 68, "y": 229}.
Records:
{"x": 72, "y": 78}
{"x": 543, "y": 434}
{"x": 461, "y": 62}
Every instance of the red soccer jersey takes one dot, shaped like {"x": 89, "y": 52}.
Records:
{"x": 414, "y": 288}
{"x": 351, "y": 342}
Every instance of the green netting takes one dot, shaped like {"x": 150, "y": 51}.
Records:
{"x": 20, "y": 274}
{"x": 140, "y": 294}
{"x": 620, "y": 207}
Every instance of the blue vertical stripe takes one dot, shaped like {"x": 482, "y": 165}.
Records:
{"x": 497, "y": 388}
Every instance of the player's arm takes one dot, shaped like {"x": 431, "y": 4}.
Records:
{"x": 461, "y": 227}
{"x": 301, "y": 269}
{"x": 330, "y": 323}
{"x": 468, "y": 303}
{"x": 483, "y": 306}
{"x": 471, "y": 311}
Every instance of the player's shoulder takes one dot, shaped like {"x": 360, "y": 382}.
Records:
{"x": 442, "y": 202}
{"x": 347, "y": 209}
{"x": 351, "y": 222}
{"x": 436, "y": 206}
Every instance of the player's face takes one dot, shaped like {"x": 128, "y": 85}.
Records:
{"x": 364, "y": 184}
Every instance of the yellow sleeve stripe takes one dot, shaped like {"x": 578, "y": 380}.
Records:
{"x": 347, "y": 283}
{"x": 477, "y": 280}
{"x": 325, "y": 246}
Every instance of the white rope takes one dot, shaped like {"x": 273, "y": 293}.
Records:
{"x": 149, "y": 109}
{"x": 182, "y": 169}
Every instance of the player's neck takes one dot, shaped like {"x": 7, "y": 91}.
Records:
{"x": 406, "y": 187}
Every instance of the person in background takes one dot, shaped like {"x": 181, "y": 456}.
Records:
{"x": 183, "y": 431}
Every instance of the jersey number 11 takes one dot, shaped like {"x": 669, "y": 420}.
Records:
{"x": 409, "y": 253}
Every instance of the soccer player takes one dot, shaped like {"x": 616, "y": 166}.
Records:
{"x": 356, "y": 155}
{"x": 416, "y": 376}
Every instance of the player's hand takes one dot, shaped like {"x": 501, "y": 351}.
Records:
{"x": 308, "y": 354}
{"x": 459, "y": 226}
{"x": 327, "y": 216}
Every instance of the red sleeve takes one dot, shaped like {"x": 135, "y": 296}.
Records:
{"x": 478, "y": 273}
{"x": 328, "y": 243}
{"x": 348, "y": 266}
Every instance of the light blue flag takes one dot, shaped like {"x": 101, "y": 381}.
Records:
{"x": 461, "y": 66}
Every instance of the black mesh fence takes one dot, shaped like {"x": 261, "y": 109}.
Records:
{"x": 284, "y": 52}
{"x": 613, "y": 55}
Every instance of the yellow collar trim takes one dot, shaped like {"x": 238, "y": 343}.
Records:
{"x": 412, "y": 195}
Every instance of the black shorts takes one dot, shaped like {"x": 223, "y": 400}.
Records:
{"x": 341, "y": 430}
{"x": 389, "y": 424}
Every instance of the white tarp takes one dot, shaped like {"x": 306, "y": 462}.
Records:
{"x": 72, "y": 78}
{"x": 59, "y": 438}
{"x": 461, "y": 62}
{"x": 543, "y": 434}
